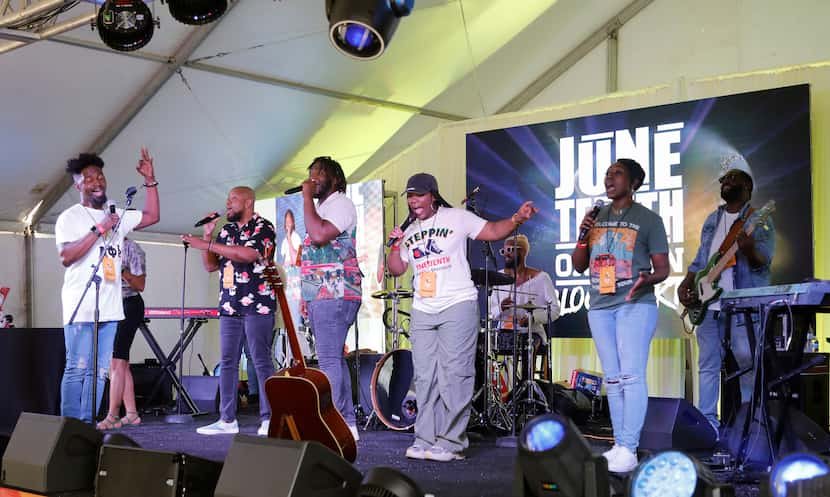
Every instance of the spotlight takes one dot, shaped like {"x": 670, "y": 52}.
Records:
{"x": 554, "y": 459}
{"x": 363, "y": 28}
{"x": 807, "y": 471}
{"x": 674, "y": 474}
{"x": 388, "y": 482}
{"x": 197, "y": 11}
{"x": 125, "y": 25}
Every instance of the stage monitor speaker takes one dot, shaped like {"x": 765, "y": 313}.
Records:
{"x": 145, "y": 376}
{"x": 271, "y": 467}
{"x": 799, "y": 433}
{"x": 48, "y": 454}
{"x": 204, "y": 390}
{"x": 675, "y": 424}
{"x": 134, "y": 472}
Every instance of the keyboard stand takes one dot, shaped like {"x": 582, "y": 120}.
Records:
{"x": 168, "y": 362}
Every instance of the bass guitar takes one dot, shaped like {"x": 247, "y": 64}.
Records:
{"x": 706, "y": 280}
{"x": 300, "y": 397}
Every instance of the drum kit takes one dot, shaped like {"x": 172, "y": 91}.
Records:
{"x": 393, "y": 379}
{"x": 493, "y": 406}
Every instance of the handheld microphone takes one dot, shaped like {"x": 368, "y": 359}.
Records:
{"x": 111, "y": 205}
{"x": 293, "y": 190}
{"x": 206, "y": 219}
{"x": 403, "y": 228}
{"x": 594, "y": 211}
{"x": 471, "y": 195}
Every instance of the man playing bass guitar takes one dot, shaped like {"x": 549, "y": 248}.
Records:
{"x": 750, "y": 268}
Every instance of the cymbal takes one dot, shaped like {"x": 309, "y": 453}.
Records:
{"x": 530, "y": 306}
{"x": 400, "y": 293}
{"x": 494, "y": 278}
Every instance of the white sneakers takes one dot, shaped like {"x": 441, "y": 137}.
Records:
{"x": 263, "y": 428}
{"x": 220, "y": 428}
{"x": 434, "y": 453}
{"x": 355, "y": 434}
{"x": 620, "y": 459}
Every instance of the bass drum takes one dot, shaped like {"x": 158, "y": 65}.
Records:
{"x": 393, "y": 390}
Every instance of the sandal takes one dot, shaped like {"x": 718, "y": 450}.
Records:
{"x": 132, "y": 418}
{"x": 109, "y": 423}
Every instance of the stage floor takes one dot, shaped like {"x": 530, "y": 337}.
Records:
{"x": 487, "y": 471}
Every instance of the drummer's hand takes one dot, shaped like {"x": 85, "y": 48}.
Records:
{"x": 506, "y": 303}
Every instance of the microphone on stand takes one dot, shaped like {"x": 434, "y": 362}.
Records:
{"x": 206, "y": 219}
{"x": 294, "y": 189}
{"x": 471, "y": 195}
{"x": 403, "y": 228}
{"x": 594, "y": 211}
{"x": 130, "y": 194}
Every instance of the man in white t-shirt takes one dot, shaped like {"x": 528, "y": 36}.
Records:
{"x": 444, "y": 320}
{"x": 749, "y": 269}
{"x": 533, "y": 286}
{"x": 83, "y": 233}
{"x": 331, "y": 278}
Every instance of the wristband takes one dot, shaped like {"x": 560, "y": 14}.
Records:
{"x": 151, "y": 185}
{"x": 95, "y": 230}
{"x": 513, "y": 219}
{"x": 582, "y": 245}
{"x": 396, "y": 247}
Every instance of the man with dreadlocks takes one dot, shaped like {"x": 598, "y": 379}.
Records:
{"x": 329, "y": 250}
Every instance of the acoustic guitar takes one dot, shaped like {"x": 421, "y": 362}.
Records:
{"x": 300, "y": 397}
{"x": 706, "y": 280}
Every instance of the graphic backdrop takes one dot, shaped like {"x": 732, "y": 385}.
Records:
{"x": 683, "y": 148}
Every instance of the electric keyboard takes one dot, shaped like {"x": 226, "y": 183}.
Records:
{"x": 176, "y": 312}
{"x": 810, "y": 293}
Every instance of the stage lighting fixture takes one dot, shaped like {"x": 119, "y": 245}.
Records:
{"x": 674, "y": 474}
{"x": 197, "y": 12}
{"x": 554, "y": 459}
{"x": 388, "y": 482}
{"x": 125, "y": 25}
{"x": 363, "y": 28}
{"x": 798, "y": 468}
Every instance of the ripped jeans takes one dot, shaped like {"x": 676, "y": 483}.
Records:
{"x": 623, "y": 337}
{"x": 76, "y": 385}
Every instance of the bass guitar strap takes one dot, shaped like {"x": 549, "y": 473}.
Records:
{"x": 736, "y": 228}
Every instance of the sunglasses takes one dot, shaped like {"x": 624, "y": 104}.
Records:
{"x": 508, "y": 249}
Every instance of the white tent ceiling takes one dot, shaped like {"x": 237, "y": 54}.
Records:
{"x": 252, "y": 98}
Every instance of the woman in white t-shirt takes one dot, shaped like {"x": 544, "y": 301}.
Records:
{"x": 444, "y": 320}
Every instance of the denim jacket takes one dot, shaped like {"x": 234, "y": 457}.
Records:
{"x": 744, "y": 275}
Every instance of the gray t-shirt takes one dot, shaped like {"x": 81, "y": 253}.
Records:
{"x": 631, "y": 238}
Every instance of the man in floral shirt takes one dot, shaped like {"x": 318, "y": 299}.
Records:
{"x": 246, "y": 301}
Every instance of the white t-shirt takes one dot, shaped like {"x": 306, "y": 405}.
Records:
{"x": 285, "y": 253}
{"x": 727, "y": 280}
{"x": 539, "y": 291}
{"x": 73, "y": 224}
{"x": 439, "y": 245}
{"x": 339, "y": 210}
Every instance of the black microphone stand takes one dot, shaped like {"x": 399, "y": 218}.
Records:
{"x": 94, "y": 278}
{"x": 180, "y": 417}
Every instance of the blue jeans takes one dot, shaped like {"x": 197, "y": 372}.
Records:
{"x": 710, "y": 335}
{"x": 330, "y": 321}
{"x": 258, "y": 331}
{"x": 623, "y": 336}
{"x": 76, "y": 385}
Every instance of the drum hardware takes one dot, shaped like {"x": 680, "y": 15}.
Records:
{"x": 393, "y": 380}
{"x": 534, "y": 401}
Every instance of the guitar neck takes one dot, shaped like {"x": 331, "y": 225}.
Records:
{"x": 298, "y": 362}
{"x": 727, "y": 256}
